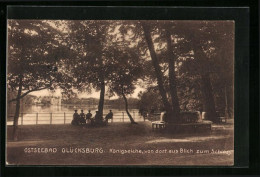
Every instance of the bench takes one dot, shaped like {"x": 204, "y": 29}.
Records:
{"x": 189, "y": 127}
{"x": 158, "y": 125}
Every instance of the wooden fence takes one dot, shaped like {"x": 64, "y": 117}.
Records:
{"x": 65, "y": 118}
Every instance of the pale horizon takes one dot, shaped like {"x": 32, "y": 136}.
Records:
{"x": 93, "y": 94}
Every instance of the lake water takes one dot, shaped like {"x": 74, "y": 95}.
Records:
{"x": 33, "y": 114}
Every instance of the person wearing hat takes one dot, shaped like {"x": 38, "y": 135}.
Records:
{"x": 82, "y": 117}
{"x": 96, "y": 118}
{"x": 88, "y": 116}
{"x": 109, "y": 115}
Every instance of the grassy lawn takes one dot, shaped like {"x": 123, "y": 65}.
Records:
{"x": 119, "y": 144}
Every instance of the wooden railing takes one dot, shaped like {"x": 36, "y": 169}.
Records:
{"x": 65, "y": 117}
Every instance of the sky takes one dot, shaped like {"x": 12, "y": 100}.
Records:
{"x": 94, "y": 94}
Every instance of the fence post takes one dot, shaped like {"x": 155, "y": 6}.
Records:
{"x": 21, "y": 118}
{"x": 64, "y": 117}
{"x": 123, "y": 116}
{"x": 50, "y": 118}
{"x": 36, "y": 118}
{"x": 134, "y": 115}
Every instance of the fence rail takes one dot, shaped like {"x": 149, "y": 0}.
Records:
{"x": 65, "y": 118}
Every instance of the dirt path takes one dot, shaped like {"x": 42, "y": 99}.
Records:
{"x": 118, "y": 144}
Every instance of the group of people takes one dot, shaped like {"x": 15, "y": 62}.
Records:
{"x": 82, "y": 118}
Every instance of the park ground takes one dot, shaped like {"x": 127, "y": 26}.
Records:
{"x": 119, "y": 144}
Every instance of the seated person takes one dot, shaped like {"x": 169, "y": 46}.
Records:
{"x": 96, "y": 118}
{"x": 76, "y": 118}
{"x": 88, "y": 116}
{"x": 163, "y": 116}
{"x": 82, "y": 117}
{"x": 109, "y": 115}
{"x": 96, "y": 115}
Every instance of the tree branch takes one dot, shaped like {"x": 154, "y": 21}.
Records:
{"x": 29, "y": 91}
{"x": 26, "y": 93}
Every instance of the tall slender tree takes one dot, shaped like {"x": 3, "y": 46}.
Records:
{"x": 126, "y": 69}
{"x": 172, "y": 76}
{"x": 159, "y": 77}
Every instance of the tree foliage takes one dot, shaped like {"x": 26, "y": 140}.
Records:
{"x": 190, "y": 63}
{"x": 33, "y": 54}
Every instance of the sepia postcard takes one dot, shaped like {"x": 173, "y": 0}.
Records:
{"x": 120, "y": 92}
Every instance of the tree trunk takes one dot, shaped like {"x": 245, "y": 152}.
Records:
{"x": 156, "y": 66}
{"x": 126, "y": 109}
{"x": 17, "y": 109}
{"x": 101, "y": 77}
{"x": 101, "y": 100}
{"x": 172, "y": 79}
{"x": 231, "y": 100}
{"x": 206, "y": 88}
{"x": 209, "y": 103}
{"x": 228, "y": 101}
